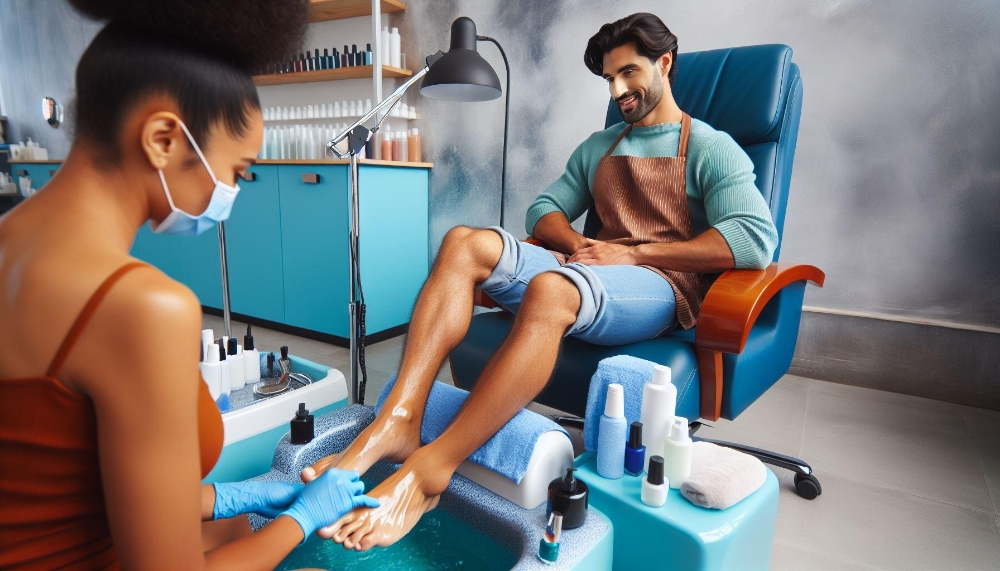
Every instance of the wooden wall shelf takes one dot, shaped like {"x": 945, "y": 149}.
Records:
{"x": 324, "y": 10}
{"x": 354, "y": 72}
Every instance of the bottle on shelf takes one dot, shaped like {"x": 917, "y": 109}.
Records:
{"x": 394, "y": 49}
{"x": 413, "y": 147}
{"x": 384, "y": 51}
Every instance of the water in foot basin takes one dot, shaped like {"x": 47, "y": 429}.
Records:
{"x": 439, "y": 541}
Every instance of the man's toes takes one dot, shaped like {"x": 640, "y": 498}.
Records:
{"x": 368, "y": 541}
{"x": 345, "y": 532}
{"x": 331, "y": 530}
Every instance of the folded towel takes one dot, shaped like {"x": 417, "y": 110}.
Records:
{"x": 507, "y": 453}
{"x": 721, "y": 477}
{"x": 631, "y": 373}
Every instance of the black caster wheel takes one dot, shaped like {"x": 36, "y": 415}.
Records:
{"x": 807, "y": 486}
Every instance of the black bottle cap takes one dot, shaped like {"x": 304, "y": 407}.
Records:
{"x": 655, "y": 473}
{"x": 635, "y": 435}
{"x": 270, "y": 364}
{"x": 248, "y": 340}
{"x": 368, "y": 47}
{"x": 284, "y": 351}
{"x": 232, "y": 346}
{"x": 302, "y": 412}
{"x": 222, "y": 350}
{"x": 326, "y": 52}
{"x": 354, "y": 48}
{"x": 569, "y": 482}
{"x": 308, "y": 54}
{"x": 346, "y": 51}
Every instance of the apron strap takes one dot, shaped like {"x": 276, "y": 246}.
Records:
{"x": 682, "y": 146}
{"x": 618, "y": 140}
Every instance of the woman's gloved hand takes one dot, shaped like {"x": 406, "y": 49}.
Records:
{"x": 268, "y": 499}
{"x": 327, "y": 498}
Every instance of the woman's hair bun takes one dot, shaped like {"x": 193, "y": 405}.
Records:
{"x": 249, "y": 33}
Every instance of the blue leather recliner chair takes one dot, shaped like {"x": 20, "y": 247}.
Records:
{"x": 749, "y": 321}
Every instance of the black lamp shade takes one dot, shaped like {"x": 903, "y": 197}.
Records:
{"x": 461, "y": 74}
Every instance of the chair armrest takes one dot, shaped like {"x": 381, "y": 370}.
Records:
{"x": 727, "y": 315}
{"x": 480, "y": 298}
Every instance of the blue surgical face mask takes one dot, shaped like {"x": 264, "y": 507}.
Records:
{"x": 180, "y": 222}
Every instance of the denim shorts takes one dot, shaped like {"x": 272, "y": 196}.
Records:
{"x": 618, "y": 304}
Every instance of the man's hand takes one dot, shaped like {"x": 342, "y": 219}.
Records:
{"x": 598, "y": 253}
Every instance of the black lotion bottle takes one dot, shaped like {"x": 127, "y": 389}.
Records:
{"x": 302, "y": 427}
{"x": 569, "y": 497}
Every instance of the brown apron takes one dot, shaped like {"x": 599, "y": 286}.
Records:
{"x": 641, "y": 200}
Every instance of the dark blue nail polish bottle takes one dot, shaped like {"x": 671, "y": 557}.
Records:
{"x": 635, "y": 452}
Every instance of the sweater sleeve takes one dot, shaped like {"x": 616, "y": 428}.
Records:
{"x": 569, "y": 194}
{"x": 734, "y": 206}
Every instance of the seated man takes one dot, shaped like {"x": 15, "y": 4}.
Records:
{"x": 678, "y": 204}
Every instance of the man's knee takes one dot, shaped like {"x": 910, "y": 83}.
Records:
{"x": 472, "y": 248}
{"x": 551, "y": 297}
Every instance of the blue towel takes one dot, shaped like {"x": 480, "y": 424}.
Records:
{"x": 631, "y": 373}
{"x": 507, "y": 453}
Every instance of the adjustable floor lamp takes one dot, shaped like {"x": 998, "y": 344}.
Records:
{"x": 459, "y": 75}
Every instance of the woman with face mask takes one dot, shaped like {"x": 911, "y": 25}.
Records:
{"x": 106, "y": 428}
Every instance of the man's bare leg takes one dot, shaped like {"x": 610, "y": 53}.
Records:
{"x": 440, "y": 321}
{"x": 516, "y": 373}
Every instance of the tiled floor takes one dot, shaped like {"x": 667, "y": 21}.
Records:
{"x": 908, "y": 483}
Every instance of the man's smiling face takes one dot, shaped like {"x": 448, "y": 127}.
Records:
{"x": 635, "y": 82}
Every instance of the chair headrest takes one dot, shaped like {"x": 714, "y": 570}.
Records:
{"x": 740, "y": 90}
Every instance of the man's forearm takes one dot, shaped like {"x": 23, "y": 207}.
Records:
{"x": 558, "y": 235}
{"x": 707, "y": 253}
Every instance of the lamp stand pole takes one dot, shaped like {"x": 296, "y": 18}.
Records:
{"x": 356, "y": 136}
{"x": 506, "y": 118}
{"x": 225, "y": 279}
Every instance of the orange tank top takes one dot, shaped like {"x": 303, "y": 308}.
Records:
{"x": 51, "y": 500}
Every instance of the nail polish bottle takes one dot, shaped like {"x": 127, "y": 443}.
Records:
{"x": 251, "y": 359}
{"x": 236, "y": 379}
{"x": 271, "y": 373}
{"x": 654, "y": 489}
{"x": 335, "y": 58}
{"x": 317, "y": 60}
{"x": 326, "y": 58}
{"x": 635, "y": 452}
{"x": 548, "y": 546}
{"x": 368, "y": 54}
{"x": 302, "y": 427}
{"x": 570, "y": 497}
{"x": 348, "y": 60}
{"x": 307, "y": 63}
{"x": 611, "y": 435}
{"x": 284, "y": 363}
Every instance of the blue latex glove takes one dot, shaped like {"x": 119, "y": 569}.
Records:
{"x": 327, "y": 498}
{"x": 268, "y": 499}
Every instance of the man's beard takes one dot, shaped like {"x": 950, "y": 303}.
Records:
{"x": 644, "y": 103}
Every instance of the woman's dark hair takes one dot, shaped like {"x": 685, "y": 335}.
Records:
{"x": 650, "y": 35}
{"x": 200, "y": 53}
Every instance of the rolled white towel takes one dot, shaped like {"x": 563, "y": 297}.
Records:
{"x": 721, "y": 477}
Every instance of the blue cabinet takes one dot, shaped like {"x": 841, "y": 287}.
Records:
{"x": 253, "y": 247}
{"x": 314, "y": 240}
{"x": 40, "y": 173}
{"x": 191, "y": 260}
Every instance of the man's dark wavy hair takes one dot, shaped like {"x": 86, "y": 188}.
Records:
{"x": 650, "y": 35}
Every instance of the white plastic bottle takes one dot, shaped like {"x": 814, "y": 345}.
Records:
{"x": 677, "y": 454}
{"x": 659, "y": 401}
{"x": 235, "y": 365}
{"x": 211, "y": 371}
{"x": 394, "y": 49}
{"x": 225, "y": 377}
{"x": 384, "y": 46}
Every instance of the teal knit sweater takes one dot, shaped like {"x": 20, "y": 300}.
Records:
{"x": 720, "y": 185}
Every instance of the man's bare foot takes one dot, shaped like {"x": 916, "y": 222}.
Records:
{"x": 393, "y": 436}
{"x": 405, "y": 495}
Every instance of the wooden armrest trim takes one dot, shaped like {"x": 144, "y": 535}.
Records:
{"x": 727, "y": 315}
{"x": 736, "y": 299}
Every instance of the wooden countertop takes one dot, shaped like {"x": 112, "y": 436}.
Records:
{"x": 380, "y": 163}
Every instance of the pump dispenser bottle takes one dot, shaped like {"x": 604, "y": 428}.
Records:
{"x": 611, "y": 435}
{"x": 235, "y": 365}
{"x": 569, "y": 497}
{"x": 677, "y": 454}
{"x": 635, "y": 452}
{"x": 654, "y": 491}
{"x": 211, "y": 371}
{"x": 251, "y": 359}
{"x": 659, "y": 400}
